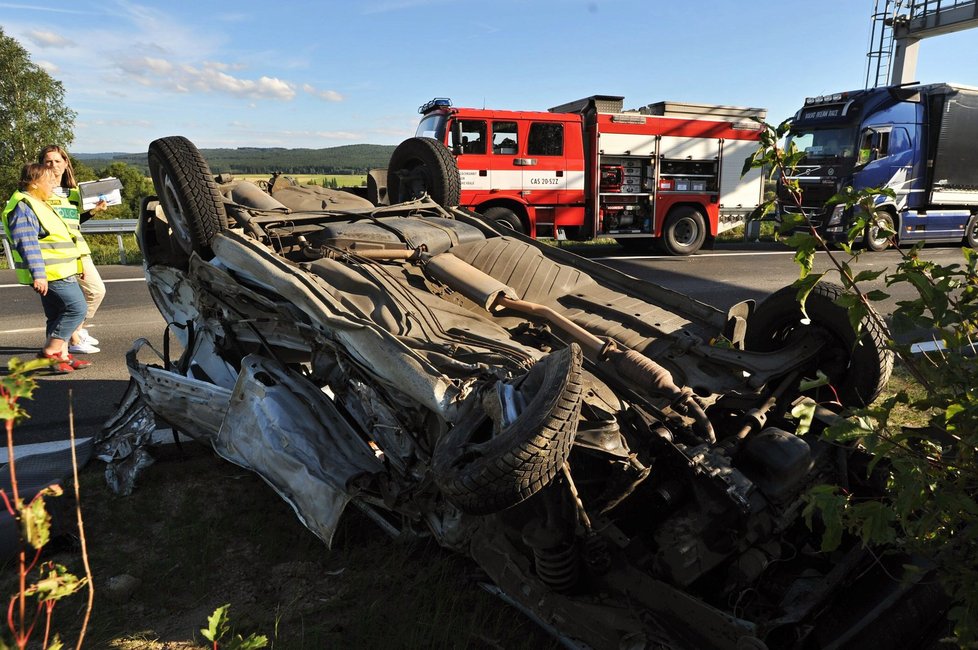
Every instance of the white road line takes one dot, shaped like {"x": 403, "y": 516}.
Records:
{"x": 11, "y": 286}
{"x": 21, "y": 331}
{"x": 681, "y": 258}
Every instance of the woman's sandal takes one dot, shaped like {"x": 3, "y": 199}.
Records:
{"x": 63, "y": 367}
{"x": 78, "y": 364}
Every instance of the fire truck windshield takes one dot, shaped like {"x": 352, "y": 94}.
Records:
{"x": 824, "y": 143}
{"x": 432, "y": 126}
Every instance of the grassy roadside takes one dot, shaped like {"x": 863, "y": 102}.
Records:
{"x": 199, "y": 532}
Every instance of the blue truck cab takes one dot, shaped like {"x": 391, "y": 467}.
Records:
{"x": 921, "y": 141}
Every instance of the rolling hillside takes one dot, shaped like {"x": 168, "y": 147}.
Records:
{"x": 347, "y": 159}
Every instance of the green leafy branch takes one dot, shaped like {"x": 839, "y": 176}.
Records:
{"x": 54, "y": 582}
{"x": 930, "y": 471}
{"x": 219, "y": 627}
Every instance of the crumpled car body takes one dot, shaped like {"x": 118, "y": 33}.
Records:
{"x": 620, "y": 459}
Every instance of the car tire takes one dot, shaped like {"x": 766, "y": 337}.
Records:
{"x": 874, "y": 241}
{"x": 971, "y": 232}
{"x": 482, "y": 472}
{"x": 858, "y": 367}
{"x": 421, "y": 166}
{"x": 684, "y": 231}
{"x": 505, "y": 218}
{"x": 185, "y": 186}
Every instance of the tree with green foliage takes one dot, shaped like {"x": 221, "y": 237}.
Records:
{"x": 32, "y": 111}
{"x": 135, "y": 186}
{"x": 925, "y": 443}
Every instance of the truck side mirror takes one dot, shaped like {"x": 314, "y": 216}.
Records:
{"x": 456, "y": 132}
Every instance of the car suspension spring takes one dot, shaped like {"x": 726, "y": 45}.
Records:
{"x": 557, "y": 567}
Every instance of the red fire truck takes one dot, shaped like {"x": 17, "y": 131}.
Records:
{"x": 667, "y": 173}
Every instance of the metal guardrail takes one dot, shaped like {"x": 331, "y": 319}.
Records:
{"x": 117, "y": 227}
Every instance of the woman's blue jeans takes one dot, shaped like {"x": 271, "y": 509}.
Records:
{"x": 64, "y": 307}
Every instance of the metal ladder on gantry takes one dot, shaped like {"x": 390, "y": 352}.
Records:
{"x": 898, "y": 28}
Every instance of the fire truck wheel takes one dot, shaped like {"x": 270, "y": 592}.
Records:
{"x": 684, "y": 232}
{"x": 857, "y": 365}
{"x": 421, "y": 166}
{"x": 876, "y": 239}
{"x": 506, "y": 218}
{"x": 971, "y": 232}
{"x": 190, "y": 198}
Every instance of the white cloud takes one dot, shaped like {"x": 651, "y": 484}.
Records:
{"x": 328, "y": 95}
{"x": 51, "y": 68}
{"x": 44, "y": 38}
{"x": 207, "y": 78}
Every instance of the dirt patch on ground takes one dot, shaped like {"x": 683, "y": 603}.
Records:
{"x": 199, "y": 532}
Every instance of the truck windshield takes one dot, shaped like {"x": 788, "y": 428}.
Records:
{"x": 432, "y": 126}
{"x": 824, "y": 143}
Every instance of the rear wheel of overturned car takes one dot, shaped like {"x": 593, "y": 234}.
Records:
{"x": 857, "y": 365}
{"x": 190, "y": 198}
{"x": 684, "y": 231}
{"x": 484, "y": 469}
{"x": 422, "y": 166}
{"x": 506, "y": 218}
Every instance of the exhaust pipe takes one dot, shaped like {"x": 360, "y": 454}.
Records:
{"x": 493, "y": 296}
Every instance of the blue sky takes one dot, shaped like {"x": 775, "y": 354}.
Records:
{"x": 323, "y": 73}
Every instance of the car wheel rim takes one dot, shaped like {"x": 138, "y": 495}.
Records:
{"x": 175, "y": 216}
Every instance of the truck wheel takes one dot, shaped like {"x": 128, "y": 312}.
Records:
{"x": 876, "y": 240}
{"x": 483, "y": 470}
{"x": 858, "y": 367}
{"x": 422, "y": 166}
{"x": 190, "y": 198}
{"x": 684, "y": 232}
{"x": 971, "y": 232}
{"x": 506, "y": 218}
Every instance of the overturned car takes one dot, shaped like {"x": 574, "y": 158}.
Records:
{"x": 619, "y": 458}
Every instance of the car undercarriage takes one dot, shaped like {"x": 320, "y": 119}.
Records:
{"x": 627, "y": 465}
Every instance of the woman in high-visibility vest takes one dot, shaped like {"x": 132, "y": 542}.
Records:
{"x": 47, "y": 259}
{"x": 66, "y": 201}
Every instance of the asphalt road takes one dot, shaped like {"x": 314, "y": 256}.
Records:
{"x": 127, "y": 313}
{"x": 722, "y": 277}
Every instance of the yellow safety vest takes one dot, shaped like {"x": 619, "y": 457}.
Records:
{"x": 68, "y": 208}
{"x": 61, "y": 256}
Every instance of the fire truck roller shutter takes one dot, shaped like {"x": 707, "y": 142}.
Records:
{"x": 421, "y": 166}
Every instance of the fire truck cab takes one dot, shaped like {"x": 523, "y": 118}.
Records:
{"x": 667, "y": 174}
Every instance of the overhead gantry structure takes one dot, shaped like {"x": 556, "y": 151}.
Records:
{"x": 898, "y": 28}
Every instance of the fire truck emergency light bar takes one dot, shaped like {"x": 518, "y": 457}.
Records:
{"x": 437, "y": 102}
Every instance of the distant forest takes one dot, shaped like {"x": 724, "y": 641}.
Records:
{"x": 347, "y": 159}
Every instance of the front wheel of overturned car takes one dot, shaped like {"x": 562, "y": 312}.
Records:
{"x": 421, "y": 166}
{"x": 857, "y": 365}
{"x": 484, "y": 465}
{"x": 191, "y": 201}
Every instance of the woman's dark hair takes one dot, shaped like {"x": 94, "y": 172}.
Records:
{"x": 68, "y": 177}
{"x": 29, "y": 175}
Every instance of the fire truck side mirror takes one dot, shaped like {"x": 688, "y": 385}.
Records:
{"x": 456, "y": 139}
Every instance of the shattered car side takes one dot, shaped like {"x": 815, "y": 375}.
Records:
{"x": 620, "y": 459}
